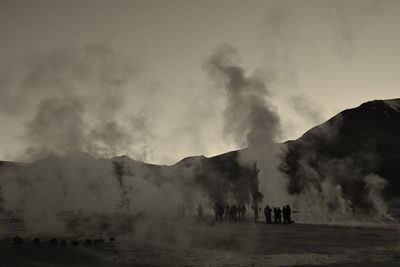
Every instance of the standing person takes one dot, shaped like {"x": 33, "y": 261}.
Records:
{"x": 279, "y": 215}
{"x": 289, "y": 213}
{"x": 226, "y": 212}
{"x": 275, "y": 215}
{"x": 284, "y": 213}
{"x": 200, "y": 212}
{"x": 255, "y": 209}
{"x": 267, "y": 213}
{"x": 270, "y": 216}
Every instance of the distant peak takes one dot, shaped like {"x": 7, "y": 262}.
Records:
{"x": 191, "y": 159}
{"x": 393, "y": 103}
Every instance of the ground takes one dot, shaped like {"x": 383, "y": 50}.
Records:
{"x": 188, "y": 242}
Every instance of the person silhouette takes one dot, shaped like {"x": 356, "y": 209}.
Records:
{"x": 279, "y": 215}
{"x": 289, "y": 213}
{"x": 267, "y": 213}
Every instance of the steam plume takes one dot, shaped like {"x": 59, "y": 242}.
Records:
{"x": 250, "y": 120}
{"x": 375, "y": 185}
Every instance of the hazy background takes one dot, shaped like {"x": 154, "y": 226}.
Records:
{"x": 142, "y": 64}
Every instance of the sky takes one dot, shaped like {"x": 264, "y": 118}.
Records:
{"x": 134, "y": 71}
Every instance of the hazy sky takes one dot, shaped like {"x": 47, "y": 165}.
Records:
{"x": 316, "y": 57}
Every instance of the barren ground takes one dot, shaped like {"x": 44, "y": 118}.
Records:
{"x": 191, "y": 243}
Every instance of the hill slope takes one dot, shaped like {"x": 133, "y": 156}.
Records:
{"x": 349, "y": 146}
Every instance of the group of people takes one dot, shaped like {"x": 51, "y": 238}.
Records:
{"x": 273, "y": 215}
{"x": 285, "y": 212}
{"x": 230, "y": 212}
{"x": 238, "y": 213}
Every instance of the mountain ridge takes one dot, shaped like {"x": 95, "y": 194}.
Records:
{"x": 347, "y": 147}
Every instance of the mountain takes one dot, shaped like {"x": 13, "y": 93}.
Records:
{"x": 354, "y": 143}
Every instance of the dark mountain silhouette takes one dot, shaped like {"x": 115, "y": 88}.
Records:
{"x": 354, "y": 143}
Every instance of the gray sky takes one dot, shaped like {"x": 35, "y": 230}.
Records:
{"x": 316, "y": 57}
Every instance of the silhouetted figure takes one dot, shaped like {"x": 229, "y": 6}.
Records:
{"x": 200, "y": 212}
{"x": 18, "y": 240}
{"x": 219, "y": 211}
{"x": 63, "y": 242}
{"x": 87, "y": 242}
{"x": 54, "y": 241}
{"x": 279, "y": 215}
{"x": 112, "y": 239}
{"x": 267, "y": 213}
{"x": 289, "y": 214}
{"x": 226, "y": 212}
{"x": 275, "y": 215}
{"x": 255, "y": 209}
{"x": 284, "y": 214}
{"x": 36, "y": 240}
